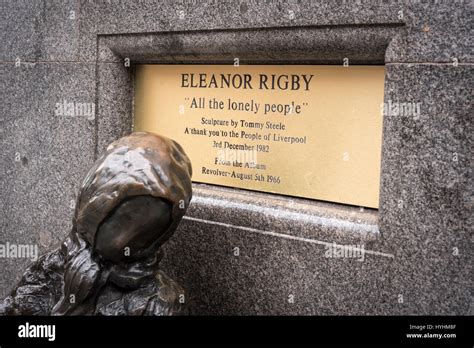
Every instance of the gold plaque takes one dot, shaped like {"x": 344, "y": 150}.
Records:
{"x": 312, "y": 131}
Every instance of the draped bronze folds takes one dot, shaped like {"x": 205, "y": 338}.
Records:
{"x": 142, "y": 176}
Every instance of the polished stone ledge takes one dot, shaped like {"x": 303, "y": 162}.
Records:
{"x": 286, "y": 217}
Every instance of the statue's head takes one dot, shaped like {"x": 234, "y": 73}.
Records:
{"x": 134, "y": 196}
{"x": 130, "y": 203}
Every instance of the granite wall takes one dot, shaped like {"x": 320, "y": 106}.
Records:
{"x": 419, "y": 243}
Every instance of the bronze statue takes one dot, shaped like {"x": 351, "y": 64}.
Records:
{"x": 130, "y": 203}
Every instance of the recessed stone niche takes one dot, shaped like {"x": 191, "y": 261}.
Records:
{"x": 254, "y": 225}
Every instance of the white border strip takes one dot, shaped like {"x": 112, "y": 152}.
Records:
{"x": 282, "y": 235}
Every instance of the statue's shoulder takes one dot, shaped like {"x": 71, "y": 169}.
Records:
{"x": 38, "y": 289}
